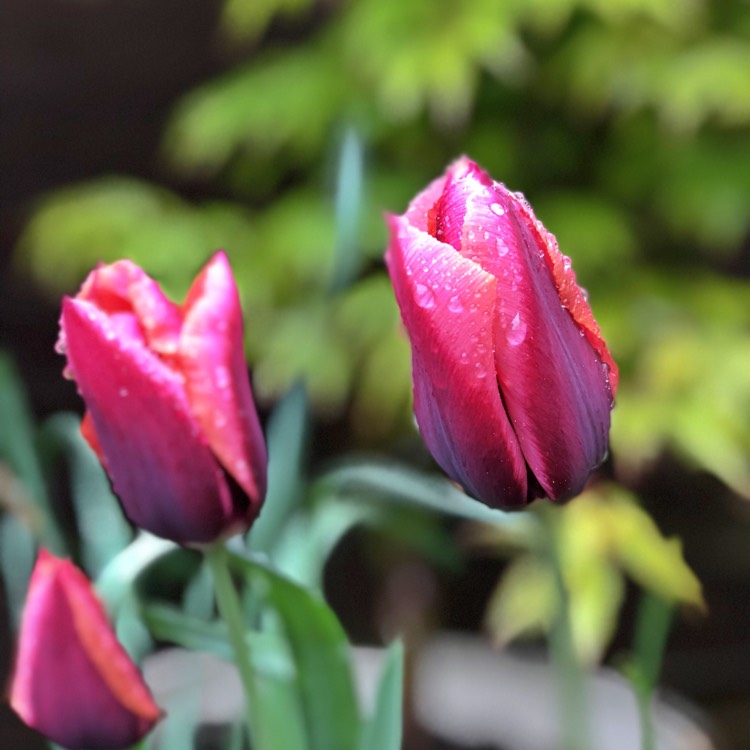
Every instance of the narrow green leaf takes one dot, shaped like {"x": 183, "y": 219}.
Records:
{"x": 268, "y": 650}
{"x": 116, "y": 581}
{"x": 383, "y": 730}
{"x": 198, "y": 597}
{"x": 320, "y": 652}
{"x": 17, "y": 448}
{"x": 348, "y": 210}
{"x": 391, "y": 481}
{"x": 287, "y": 442}
{"x": 308, "y": 540}
{"x": 101, "y": 523}
{"x": 17, "y": 554}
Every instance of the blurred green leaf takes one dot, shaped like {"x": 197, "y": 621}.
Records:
{"x": 522, "y": 603}
{"x": 96, "y": 507}
{"x": 372, "y": 478}
{"x": 17, "y": 555}
{"x": 18, "y": 450}
{"x": 246, "y": 108}
{"x": 249, "y": 19}
{"x": 608, "y": 520}
{"x": 601, "y": 536}
{"x": 287, "y": 444}
{"x": 104, "y": 220}
{"x": 319, "y": 649}
{"x": 349, "y": 187}
{"x": 383, "y": 729}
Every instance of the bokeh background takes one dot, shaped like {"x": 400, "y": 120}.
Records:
{"x": 282, "y": 130}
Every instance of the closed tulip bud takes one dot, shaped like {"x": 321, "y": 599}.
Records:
{"x": 73, "y": 681}
{"x": 513, "y": 383}
{"x": 170, "y": 411}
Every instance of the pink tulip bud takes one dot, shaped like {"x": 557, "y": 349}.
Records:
{"x": 73, "y": 681}
{"x": 170, "y": 411}
{"x": 513, "y": 383}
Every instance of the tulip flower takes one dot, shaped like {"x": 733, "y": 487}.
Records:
{"x": 170, "y": 411}
{"x": 513, "y": 383}
{"x": 73, "y": 681}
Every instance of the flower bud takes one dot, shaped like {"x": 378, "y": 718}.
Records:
{"x": 73, "y": 681}
{"x": 170, "y": 411}
{"x": 513, "y": 383}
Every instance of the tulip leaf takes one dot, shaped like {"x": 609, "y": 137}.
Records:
{"x": 96, "y": 507}
{"x": 116, "y": 581}
{"x": 17, "y": 555}
{"x": 309, "y": 539}
{"x": 287, "y": 443}
{"x": 391, "y": 481}
{"x": 319, "y": 649}
{"x": 348, "y": 210}
{"x": 383, "y": 729}
{"x": 18, "y": 450}
{"x": 523, "y": 602}
{"x": 198, "y": 596}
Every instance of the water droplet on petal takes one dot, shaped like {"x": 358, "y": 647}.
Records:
{"x": 455, "y": 305}
{"x": 479, "y": 371}
{"x": 425, "y": 296}
{"x": 497, "y": 209}
{"x": 517, "y": 332}
{"x": 123, "y": 392}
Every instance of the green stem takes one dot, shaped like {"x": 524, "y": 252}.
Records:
{"x": 229, "y": 608}
{"x": 571, "y": 677}
{"x": 651, "y": 630}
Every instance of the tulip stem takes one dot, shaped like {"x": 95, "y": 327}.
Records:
{"x": 571, "y": 677}
{"x": 230, "y": 610}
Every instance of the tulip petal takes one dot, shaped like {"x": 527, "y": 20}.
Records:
{"x": 135, "y": 304}
{"x": 216, "y": 379}
{"x": 553, "y": 382}
{"x": 159, "y": 462}
{"x": 447, "y": 304}
{"x": 66, "y": 640}
{"x": 571, "y": 295}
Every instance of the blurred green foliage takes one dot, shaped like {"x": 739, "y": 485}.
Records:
{"x": 625, "y": 122}
{"x": 601, "y": 538}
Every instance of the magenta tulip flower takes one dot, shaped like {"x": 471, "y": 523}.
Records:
{"x": 73, "y": 681}
{"x": 170, "y": 411}
{"x": 513, "y": 383}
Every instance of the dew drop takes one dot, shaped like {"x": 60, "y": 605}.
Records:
{"x": 502, "y": 248}
{"x": 425, "y": 296}
{"x": 497, "y": 209}
{"x": 464, "y": 358}
{"x": 455, "y": 305}
{"x": 479, "y": 371}
{"x": 123, "y": 392}
{"x": 517, "y": 332}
